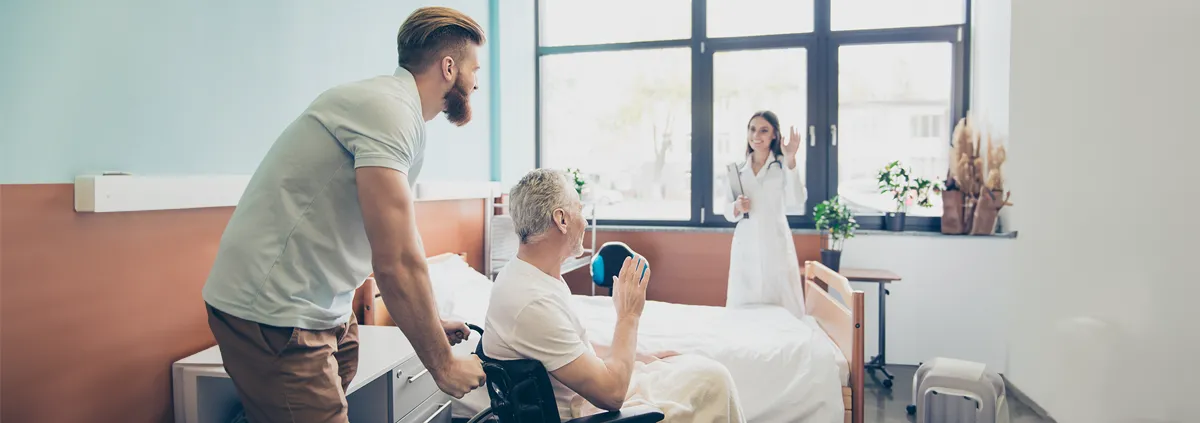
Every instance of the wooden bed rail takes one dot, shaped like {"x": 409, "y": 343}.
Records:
{"x": 842, "y": 321}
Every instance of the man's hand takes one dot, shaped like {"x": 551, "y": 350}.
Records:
{"x": 629, "y": 295}
{"x": 665, "y": 354}
{"x": 456, "y": 331}
{"x": 652, "y": 357}
{"x": 462, "y": 375}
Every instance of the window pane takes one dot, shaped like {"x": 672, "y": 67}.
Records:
{"x": 889, "y": 98}
{"x": 868, "y": 14}
{"x": 573, "y": 22}
{"x": 730, "y": 18}
{"x": 745, "y": 82}
{"x": 624, "y": 119}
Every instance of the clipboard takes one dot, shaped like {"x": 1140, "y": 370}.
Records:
{"x": 734, "y": 175}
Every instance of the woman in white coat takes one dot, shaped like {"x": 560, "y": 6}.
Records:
{"x": 763, "y": 268}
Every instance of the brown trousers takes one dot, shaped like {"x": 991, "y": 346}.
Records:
{"x": 288, "y": 374}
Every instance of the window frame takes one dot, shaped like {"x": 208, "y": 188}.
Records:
{"x": 822, "y": 69}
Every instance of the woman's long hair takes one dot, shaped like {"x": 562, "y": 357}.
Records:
{"x": 777, "y": 142}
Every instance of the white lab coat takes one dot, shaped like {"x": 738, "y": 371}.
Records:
{"x": 763, "y": 268}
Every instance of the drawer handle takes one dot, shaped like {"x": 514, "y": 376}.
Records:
{"x": 414, "y": 378}
{"x": 438, "y": 412}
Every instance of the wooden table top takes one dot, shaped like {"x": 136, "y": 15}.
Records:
{"x": 869, "y": 275}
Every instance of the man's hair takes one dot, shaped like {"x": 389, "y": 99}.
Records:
{"x": 533, "y": 200}
{"x": 431, "y": 33}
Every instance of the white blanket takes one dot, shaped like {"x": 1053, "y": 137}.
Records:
{"x": 686, "y": 388}
{"x": 785, "y": 369}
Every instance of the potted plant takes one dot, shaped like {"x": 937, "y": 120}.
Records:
{"x": 836, "y": 223}
{"x": 580, "y": 182}
{"x": 897, "y": 181}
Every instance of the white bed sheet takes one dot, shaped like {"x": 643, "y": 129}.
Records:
{"x": 785, "y": 370}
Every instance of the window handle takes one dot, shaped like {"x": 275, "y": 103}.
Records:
{"x": 833, "y": 133}
{"x": 812, "y": 135}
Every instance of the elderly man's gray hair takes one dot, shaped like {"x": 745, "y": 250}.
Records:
{"x": 533, "y": 200}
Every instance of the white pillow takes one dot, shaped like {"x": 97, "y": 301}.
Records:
{"x": 461, "y": 291}
{"x": 441, "y": 277}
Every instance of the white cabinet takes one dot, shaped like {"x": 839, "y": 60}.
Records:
{"x": 391, "y": 384}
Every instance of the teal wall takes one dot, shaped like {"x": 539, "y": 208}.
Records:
{"x": 517, "y": 65}
{"x": 155, "y": 87}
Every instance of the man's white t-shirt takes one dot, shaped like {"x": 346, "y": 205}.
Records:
{"x": 296, "y": 248}
{"x": 530, "y": 317}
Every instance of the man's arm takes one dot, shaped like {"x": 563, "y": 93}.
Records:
{"x": 401, "y": 271}
{"x": 604, "y": 382}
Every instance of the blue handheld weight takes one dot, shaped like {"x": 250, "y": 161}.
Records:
{"x": 607, "y": 262}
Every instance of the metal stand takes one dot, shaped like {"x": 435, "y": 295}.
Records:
{"x": 593, "y": 251}
{"x": 880, "y": 361}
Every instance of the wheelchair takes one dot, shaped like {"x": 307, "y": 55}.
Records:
{"x": 520, "y": 392}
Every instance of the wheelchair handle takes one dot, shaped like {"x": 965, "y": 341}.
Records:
{"x": 475, "y": 328}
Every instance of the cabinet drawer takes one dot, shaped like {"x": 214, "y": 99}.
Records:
{"x": 435, "y": 409}
{"x": 410, "y": 387}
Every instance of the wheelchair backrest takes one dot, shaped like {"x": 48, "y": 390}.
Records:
{"x": 519, "y": 390}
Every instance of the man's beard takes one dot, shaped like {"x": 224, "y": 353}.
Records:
{"x": 458, "y": 106}
{"x": 576, "y": 246}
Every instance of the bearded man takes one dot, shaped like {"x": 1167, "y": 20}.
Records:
{"x": 330, "y": 204}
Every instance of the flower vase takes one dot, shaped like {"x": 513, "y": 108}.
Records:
{"x": 986, "y": 212}
{"x": 831, "y": 259}
{"x": 894, "y": 221}
{"x": 953, "y": 213}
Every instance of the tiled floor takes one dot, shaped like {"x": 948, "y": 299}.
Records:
{"x": 889, "y": 405}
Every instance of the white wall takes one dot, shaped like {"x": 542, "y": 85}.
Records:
{"x": 950, "y": 302}
{"x": 1103, "y": 311}
{"x": 195, "y": 87}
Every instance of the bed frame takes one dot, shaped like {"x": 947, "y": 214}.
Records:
{"x": 841, "y": 320}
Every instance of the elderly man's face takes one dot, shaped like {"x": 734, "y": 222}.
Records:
{"x": 576, "y": 224}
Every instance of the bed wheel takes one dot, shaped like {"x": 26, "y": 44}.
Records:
{"x": 887, "y": 383}
{"x": 912, "y": 409}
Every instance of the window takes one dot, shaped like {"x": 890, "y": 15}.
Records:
{"x": 777, "y": 82}
{"x": 653, "y": 109}
{"x": 892, "y": 86}
{"x": 573, "y": 22}
{"x": 630, "y": 134}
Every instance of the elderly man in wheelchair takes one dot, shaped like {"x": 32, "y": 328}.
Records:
{"x": 531, "y": 330}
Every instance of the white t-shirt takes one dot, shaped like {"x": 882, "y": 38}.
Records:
{"x": 530, "y": 317}
{"x": 296, "y": 248}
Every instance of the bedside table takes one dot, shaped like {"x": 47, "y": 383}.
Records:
{"x": 391, "y": 384}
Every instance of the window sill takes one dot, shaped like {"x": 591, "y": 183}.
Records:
{"x": 795, "y": 231}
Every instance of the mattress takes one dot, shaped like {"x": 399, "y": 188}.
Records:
{"x": 785, "y": 369}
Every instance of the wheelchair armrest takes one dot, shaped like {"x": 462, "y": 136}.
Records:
{"x": 638, "y": 414}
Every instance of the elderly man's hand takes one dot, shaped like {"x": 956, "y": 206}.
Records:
{"x": 652, "y": 357}
{"x": 456, "y": 331}
{"x": 629, "y": 293}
